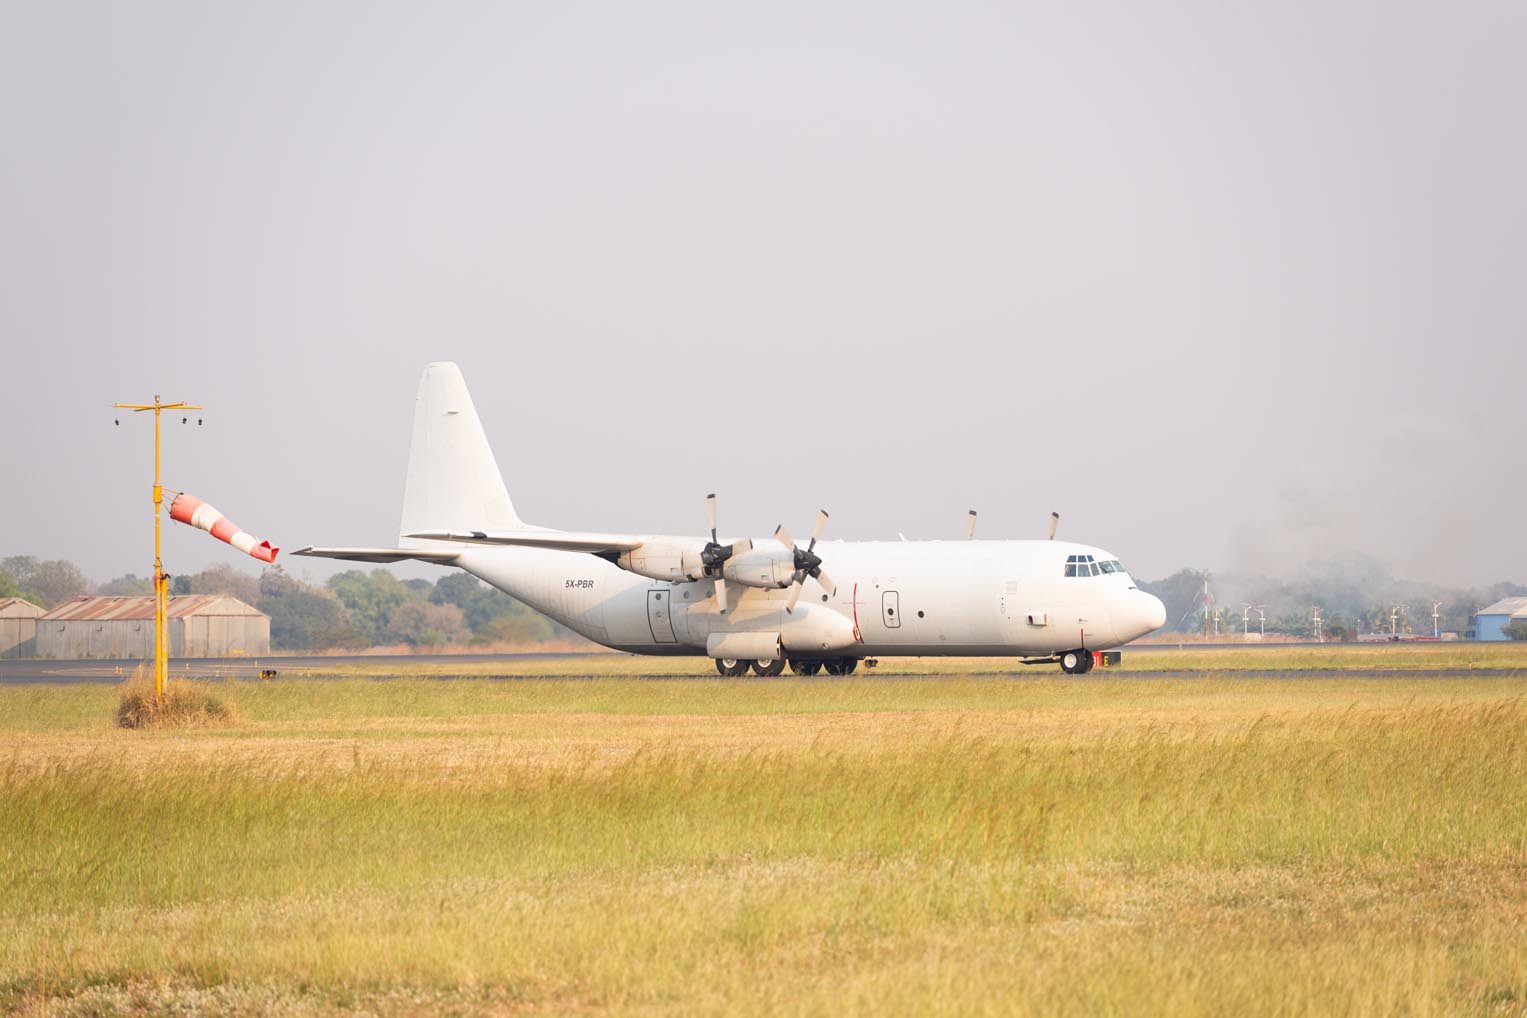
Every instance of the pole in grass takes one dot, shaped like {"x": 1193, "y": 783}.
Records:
{"x": 161, "y": 581}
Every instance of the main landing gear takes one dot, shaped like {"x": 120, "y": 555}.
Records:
{"x": 830, "y": 665}
{"x": 734, "y": 668}
{"x": 1076, "y": 662}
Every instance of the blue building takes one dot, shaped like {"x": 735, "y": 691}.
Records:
{"x": 1491, "y": 622}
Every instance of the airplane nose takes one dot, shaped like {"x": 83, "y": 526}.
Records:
{"x": 1136, "y": 614}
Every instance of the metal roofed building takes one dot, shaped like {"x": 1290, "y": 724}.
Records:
{"x": 199, "y": 625}
{"x": 1490, "y": 623}
{"x": 18, "y": 627}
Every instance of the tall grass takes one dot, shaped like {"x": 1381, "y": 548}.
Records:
{"x": 1362, "y": 857}
{"x": 182, "y": 705}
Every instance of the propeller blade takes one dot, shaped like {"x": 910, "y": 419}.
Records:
{"x": 743, "y": 546}
{"x": 721, "y": 594}
{"x": 825, "y": 581}
{"x": 816, "y": 532}
{"x": 1054, "y": 522}
{"x": 795, "y": 594}
{"x": 970, "y": 526}
{"x": 710, "y": 509}
{"x": 783, "y": 537}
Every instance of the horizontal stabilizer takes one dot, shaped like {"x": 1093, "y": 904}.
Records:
{"x": 383, "y": 554}
{"x": 554, "y": 540}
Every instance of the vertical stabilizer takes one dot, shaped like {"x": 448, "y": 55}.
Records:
{"x": 453, "y": 482}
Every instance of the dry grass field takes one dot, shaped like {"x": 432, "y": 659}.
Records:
{"x": 938, "y": 845}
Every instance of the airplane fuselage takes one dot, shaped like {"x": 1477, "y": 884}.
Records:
{"x": 892, "y": 598}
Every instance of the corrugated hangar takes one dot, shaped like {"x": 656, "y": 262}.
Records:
{"x": 1490, "y": 623}
{"x": 18, "y": 627}
{"x": 199, "y": 625}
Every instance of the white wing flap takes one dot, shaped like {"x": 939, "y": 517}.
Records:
{"x": 555, "y": 540}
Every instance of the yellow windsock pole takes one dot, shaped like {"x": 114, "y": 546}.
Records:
{"x": 161, "y": 581}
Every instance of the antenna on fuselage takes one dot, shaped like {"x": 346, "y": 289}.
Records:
{"x": 970, "y": 526}
{"x": 1054, "y": 522}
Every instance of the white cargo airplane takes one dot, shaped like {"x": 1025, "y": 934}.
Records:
{"x": 752, "y": 603}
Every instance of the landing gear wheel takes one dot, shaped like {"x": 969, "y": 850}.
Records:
{"x": 769, "y": 669}
{"x": 731, "y": 667}
{"x": 800, "y": 667}
{"x": 841, "y": 665}
{"x": 1076, "y": 662}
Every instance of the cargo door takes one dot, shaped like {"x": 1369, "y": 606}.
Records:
{"x": 659, "y": 615}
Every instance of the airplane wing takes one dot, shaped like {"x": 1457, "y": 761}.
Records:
{"x": 444, "y": 558}
{"x": 555, "y": 540}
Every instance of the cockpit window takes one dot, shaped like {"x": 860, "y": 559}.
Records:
{"x": 1086, "y": 565}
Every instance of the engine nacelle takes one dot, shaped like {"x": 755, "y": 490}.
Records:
{"x": 678, "y": 559}
{"x": 673, "y": 560}
{"x": 767, "y": 567}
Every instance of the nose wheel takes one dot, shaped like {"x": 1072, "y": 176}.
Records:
{"x": 1076, "y": 662}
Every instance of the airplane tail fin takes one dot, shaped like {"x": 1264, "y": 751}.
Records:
{"x": 453, "y": 482}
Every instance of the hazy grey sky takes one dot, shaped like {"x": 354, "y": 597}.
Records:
{"x": 1228, "y": 285}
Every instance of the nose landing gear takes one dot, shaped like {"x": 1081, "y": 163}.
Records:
{"x": 1076, "y": 662}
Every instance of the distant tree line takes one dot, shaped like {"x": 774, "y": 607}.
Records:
{"x": 43, "y": 582}
{"x": 354, "y": 609}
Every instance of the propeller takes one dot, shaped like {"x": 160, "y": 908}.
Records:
{"x": 970, "y": 526}
{"x": 714, "y": 555}
{"x": 1054, "y": 522}
{"x": 807, "y": 563}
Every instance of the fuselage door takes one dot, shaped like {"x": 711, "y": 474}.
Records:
{"x": 890, "y": 609}
{"x": 659, "y": 617}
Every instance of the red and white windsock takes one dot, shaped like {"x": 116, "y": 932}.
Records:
{"x": 193, "y": 512}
